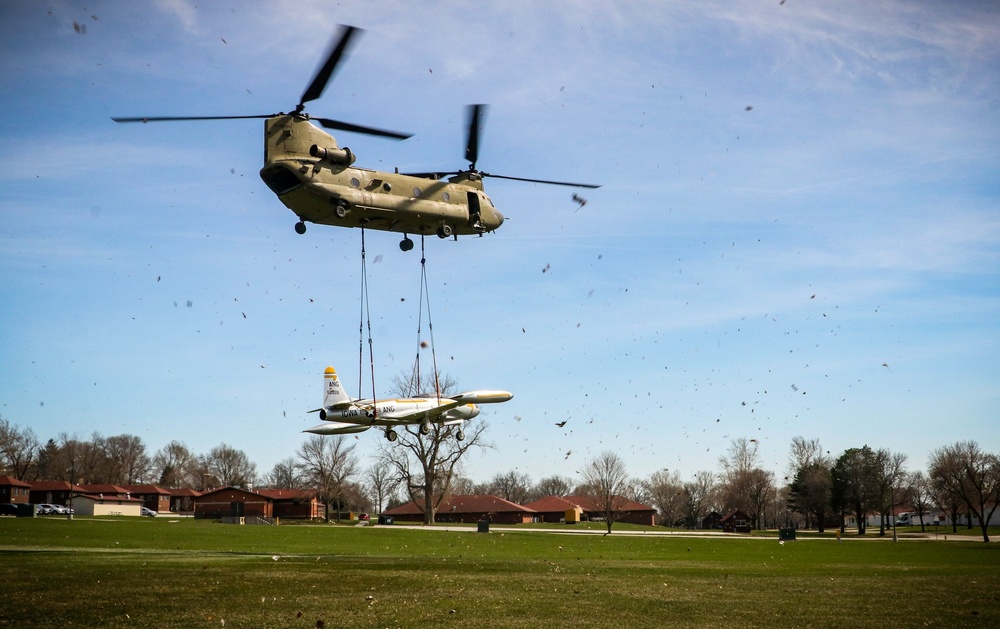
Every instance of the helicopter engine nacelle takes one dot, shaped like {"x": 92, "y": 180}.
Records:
{"x": 338, "y": 156}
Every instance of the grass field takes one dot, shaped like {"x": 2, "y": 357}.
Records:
{"x": 158, "y": 572}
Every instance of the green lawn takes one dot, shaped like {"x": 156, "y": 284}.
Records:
{"x": 158, "y": 572}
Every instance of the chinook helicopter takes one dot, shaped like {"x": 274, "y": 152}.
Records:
{"x": 317, "y": 180}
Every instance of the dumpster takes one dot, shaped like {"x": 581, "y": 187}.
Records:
{"x": 385, "y": 519}
{"x": 484, "y": 526}
{"x": 786, "y": 534}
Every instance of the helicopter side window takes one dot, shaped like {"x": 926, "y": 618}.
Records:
{"x": 280, "y": 180}
{"x": 446, "y": 196}
{"x": 417, "y": 192}
{"x": 355, "y": 182}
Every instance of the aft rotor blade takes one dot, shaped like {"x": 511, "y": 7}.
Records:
{"x": 315, "y": 89}
{"x": 180, "y": 118}
{"x": 476, "y": 114}
{"x": 545, "y": 181}
{"x": 354, "y": 128}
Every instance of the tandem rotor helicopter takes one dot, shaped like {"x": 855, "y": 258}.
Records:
{"x": 317, "y": 180}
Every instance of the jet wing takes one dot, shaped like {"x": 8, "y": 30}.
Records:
{"x": 418, "y": 416}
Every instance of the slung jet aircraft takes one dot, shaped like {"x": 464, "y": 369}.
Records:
{"x": 346, "y": 415}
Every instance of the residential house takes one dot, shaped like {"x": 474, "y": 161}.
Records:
{"x": 294, "y": 503}
{"x": 736, "y": 522}
{"x": 233, "y": 502}
{"x": 153, "y": 497}
{"x": 554, "y": 508}
{"x": 55, "y": 492}
{"x": 14, "y": 491}
{"x": 467, "y": 509}
{"x": 105, "y": 505}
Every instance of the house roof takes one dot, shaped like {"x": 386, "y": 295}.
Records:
{"x": 586, "y": 503}
{"x": 288, "y": 494}
{"x": 106, "y": 498}
{"x": 464, "y": 503}
{"x": 239, "y": 489}
{"x": 183, "y": 492}
{"x": 103, "y": 489}
{"x": 734, "y": 513}
{"x": 53, "y": 485}
{"x": 551, "y": 504}
{"x": 147, "y": 489}
{"x": 10, "y": 481}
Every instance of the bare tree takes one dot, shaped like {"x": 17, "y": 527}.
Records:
{"x": 607, "y": 483}
{"x": 18, "y": 449}
{"x": 381, "y": 483}
{"x": 970, "y": 474}
{"x": 512, "y": 485}
{"x": 745, "y": 486}
{"x": 175, "y": 466}
{"x": 284, "y": 475}
{"x": 125, "y": 461}
{"x": 426, "y": 465}
{"x": 700, "y": 497}
{"x": 552, "y": 486}
{"x": 230, "y": 467}
{"x": 889, "y": 476}
{"x": 804, "y": 452}
{"x": 666, "y": 491}
{"x": 920, "y": 495}
{"x": 329, "y": 464}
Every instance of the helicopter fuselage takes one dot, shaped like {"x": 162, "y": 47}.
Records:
{"x": 316, "y": 179}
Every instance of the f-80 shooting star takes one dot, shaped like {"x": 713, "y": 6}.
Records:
{"x": 346, "y": 415}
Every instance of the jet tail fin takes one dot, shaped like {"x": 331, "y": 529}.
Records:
{"x": 334, "y": 395}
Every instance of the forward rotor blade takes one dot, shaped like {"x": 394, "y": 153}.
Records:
{"x": 315, "y": 89}
{"x": 476, "y": 115}
{"x": 545, "y": 181}
{"x": 346, "y": 126}
{"x": 181, "y": 118}
{"x": 432, "y": 175}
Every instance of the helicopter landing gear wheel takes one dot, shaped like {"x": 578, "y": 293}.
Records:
{"x": 405, "y": 244}
{"x": 391, "y": 435}
{"x": 444, "y": 231}
{"x": 425, "y": 428}
{"x": 300, "y": 228}
{"x": 340, "y": 210}
{"x": 460, "y": 435}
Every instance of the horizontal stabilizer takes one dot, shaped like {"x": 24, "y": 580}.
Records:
{"x": 336, "y": 429}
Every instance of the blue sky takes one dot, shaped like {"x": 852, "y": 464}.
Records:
{"x": 798, "y": 231}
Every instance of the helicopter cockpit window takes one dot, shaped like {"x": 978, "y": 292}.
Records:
{"x": 280, "y": 180}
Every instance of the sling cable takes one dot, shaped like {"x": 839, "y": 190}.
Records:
{"x": 425, "y": 298}
{"x": 366, "y": 319}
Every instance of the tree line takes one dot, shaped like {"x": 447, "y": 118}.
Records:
{"x": 962, "y": 479}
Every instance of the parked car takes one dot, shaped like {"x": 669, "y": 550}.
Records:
{"x": 149, "y": 513}
{"x": 59, "y": 509}
{"x": 44, "y": 508}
